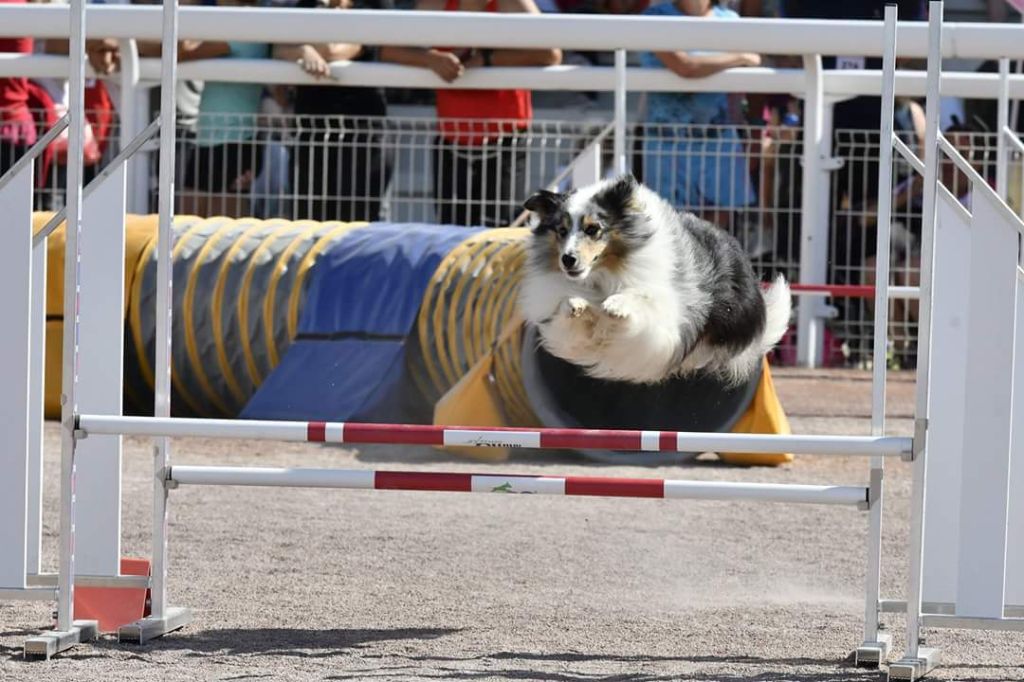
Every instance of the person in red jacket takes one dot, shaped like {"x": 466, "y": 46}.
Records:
{"x": 480, "y": 160}
{"x": 17, "y": 128}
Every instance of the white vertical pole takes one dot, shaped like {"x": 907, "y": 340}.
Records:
{"x": 814, "y": 211}
{"x": 128, "y": 114}
{"x": 37, "y": 399}
{"x": 15, "y": 304}
{"x": 924, "y": 333}
{"x": 621, "y": 113}
{"x": 1003, "y": 121}
{"x": 586, "y": 169}
{"x": 138, "y": 180}
{"x": 164, "y": 274}
{"x": 69, "y": 376}
{"x": 881, "y": 332}
{"x": 101, "y": 374}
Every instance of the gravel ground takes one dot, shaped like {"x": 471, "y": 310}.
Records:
{"x": 347, "y": 585}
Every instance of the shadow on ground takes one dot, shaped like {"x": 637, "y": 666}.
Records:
{"x": 287, "y": 642}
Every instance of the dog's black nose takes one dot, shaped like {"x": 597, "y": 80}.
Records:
{"x": 568, "y": 260}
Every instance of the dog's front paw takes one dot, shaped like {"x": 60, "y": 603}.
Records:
{"x": 575, "y": 307}
{"x": 618, "y": 306}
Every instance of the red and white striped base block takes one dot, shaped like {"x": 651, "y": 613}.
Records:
{"x": 593, "y": 486}
{"x": 418, "y": 434}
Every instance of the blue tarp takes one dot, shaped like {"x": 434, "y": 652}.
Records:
{"x": 363, "y": 296}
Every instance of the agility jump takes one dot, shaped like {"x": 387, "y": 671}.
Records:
{"x": 965, "y": 408}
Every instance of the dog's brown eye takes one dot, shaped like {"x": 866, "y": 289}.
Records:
{"x": 562, "y": 232}
{"x": 591, "y": 230}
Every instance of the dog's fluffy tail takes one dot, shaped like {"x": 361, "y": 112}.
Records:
{"x": 778, "y": 305}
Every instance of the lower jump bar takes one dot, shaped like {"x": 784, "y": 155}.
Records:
{"x": 417, "y": 434}
{"x": 538, "y": 485}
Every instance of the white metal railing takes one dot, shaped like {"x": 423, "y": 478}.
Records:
{"x": 482, "y": 29}
{"x": 811, "y": 38}
{"x": 838, "y": 84}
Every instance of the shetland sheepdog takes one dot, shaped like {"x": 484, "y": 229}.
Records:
{"x": 621, "y": 284}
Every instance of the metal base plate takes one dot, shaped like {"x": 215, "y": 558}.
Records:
{"x": 152, "y": 627}
{"x": 915, "y": 668}
{"x": 43, "y": 646}
{"x": 873, "y": 654}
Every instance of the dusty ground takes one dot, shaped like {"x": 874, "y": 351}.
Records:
{"x": 339, "y": 585}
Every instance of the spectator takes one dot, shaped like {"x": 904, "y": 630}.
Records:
{"x": 17, "y": 128}
{"x": 693, "y": 157}
{"x": 340, "y": 168}
{"x": 227, "y": 156}
{"x": 480, "y": 160}
{"x": 50, "y": 102}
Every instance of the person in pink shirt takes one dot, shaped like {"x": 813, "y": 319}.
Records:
{"x": 17, "y": 128}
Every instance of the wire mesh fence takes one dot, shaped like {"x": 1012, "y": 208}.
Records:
{"x": 404, "y": 169}
{"x": 746, "y": 179}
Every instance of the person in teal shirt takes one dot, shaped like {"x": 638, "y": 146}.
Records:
{"x": 692, "y": 156}
{"x": 227, "y": 157}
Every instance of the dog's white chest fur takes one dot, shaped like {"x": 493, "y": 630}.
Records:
{"x": 621, "y": 326}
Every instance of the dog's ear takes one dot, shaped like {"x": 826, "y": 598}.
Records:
{"x": 617, "y": 196}
{"x": 545, "y": 203}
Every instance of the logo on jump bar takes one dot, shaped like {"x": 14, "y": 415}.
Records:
{"x": 482, "y": 442}
{"x": 506, "y": 487}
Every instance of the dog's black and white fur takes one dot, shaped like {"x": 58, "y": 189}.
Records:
{"x": 620, "y": 283}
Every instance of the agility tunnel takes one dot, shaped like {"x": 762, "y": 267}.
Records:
{"x": 377, "y": 322}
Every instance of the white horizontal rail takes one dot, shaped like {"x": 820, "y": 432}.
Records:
{"x": 356, "y": 479}
{"x": 81, "y": 580}
{"x": 28, "y": 593}
{"x": 342, "y": 433}
{"x": 563, "y": 77}
{"x": 483, "y": 29}
{"x": 912, "y": 83}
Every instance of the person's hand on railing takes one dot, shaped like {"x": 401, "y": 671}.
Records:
{"x": 445, "y": 64}
{"x": 312, "y": 62}
{"x": 749, "y": 59}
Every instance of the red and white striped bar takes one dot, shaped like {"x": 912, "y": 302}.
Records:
{"x": 556, "y": 439}
{"x": 593, "y": 486}
{"x": 852, "y": 291}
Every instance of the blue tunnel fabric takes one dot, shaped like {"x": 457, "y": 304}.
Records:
{"x": 361, "y": 303}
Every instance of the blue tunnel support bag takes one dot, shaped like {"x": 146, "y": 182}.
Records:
{"x": 349, "y": 357}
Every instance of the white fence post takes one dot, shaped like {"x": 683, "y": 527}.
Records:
{"x": 100, "y": 374}
{"x": 875, "y": 648}
{"x": 130, "y": 118}
{"x": 69, "y": 349}
{"x": 925, "y": 337}
{"x": 36, "y": 400}
{"x": 15, "y": 343}
{"x": 164, "y": 619}
{"x": 586, "y": 168}
{"x": 814, "y": 214}
{"x": 621, "y": 113}
{"x": 988, "y": 394}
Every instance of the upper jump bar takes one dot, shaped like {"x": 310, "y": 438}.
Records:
{"x": 415, "y": 434}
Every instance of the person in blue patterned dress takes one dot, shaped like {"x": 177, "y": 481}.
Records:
{"x": 692, "y": 157}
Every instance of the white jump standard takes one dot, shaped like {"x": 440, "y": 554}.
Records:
{"x": 966, "y": 550}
